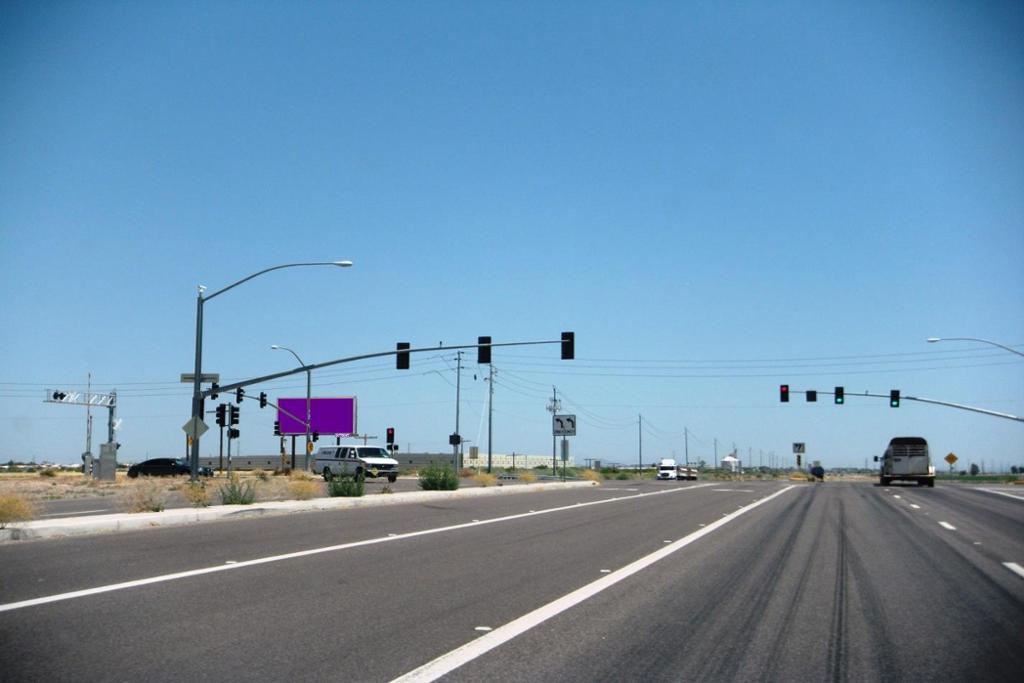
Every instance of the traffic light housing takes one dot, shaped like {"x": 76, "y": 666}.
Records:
{"x": 59, "y": 395}
{"x": 894, "y": 398}
{"x": 402, "y": 357}
{"x": 214, "y": 391}
{"x": 391, "y": 435}
{"x": 263, "y": 399}
{"x": 277, "y": 428}
{"x": 316, "y": 436}
{"x": 840, "y": 398}
{"x": 812, "y": 396}
{"x": 784, "y": 393}
{"x": 233, "y": 433}
{"x": 239, "y": 394}
{"x": 483, "y": 350}
{"x": 568, "y": 345}
{"x": 221, "y": 415}
{"x": 799, "y": 459}
{"x": 234, "y": 414}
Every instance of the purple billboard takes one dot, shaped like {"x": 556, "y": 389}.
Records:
{"x": 329, "y": 415}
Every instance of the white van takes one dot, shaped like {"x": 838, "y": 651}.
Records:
{"x": 360, "y": 461}
{"x": 907, "y": 459}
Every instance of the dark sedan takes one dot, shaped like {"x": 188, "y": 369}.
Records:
{"x": 165, "y": 467}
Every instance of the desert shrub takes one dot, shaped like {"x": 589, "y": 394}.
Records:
{"x": 465, "y": 472}
{"x": 486, "y": 479}
{"x": 623, "y": 476}
{"x": 262, "y": 475}
{"x": 303, "y": 489}
{"x": 237, "y": 492}
{"x": 591, "y": 475}
{"x": 386, "y": 489}
{"x": 345, "y": 486}
{"x": 48, "y": 472}
{"x": 196, "y": 494}
{"x": 527, "y": 477}
{"x": 15, "y": 508}
{"x": 146, "y": 496}
{"x": 435, "y": 478}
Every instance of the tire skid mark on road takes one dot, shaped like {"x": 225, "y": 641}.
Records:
{"x": 473, "y": 649}
{"x": 836, "y": 666}
{"x": 745, "y": 612}
{"x": 124, "y": 585}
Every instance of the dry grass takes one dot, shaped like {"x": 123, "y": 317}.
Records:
{"x": 527, "y": 477}
{"x": 592, "y": 475}
{"x": 196, "y": 494}
{"x": 146, "y": 495}
{"x": 303, "y": 489}
{"x": 485, "y": 479}
{"x": 15, "y": 508}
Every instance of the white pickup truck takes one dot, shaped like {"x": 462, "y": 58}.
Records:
{"x": 358, "y": 461}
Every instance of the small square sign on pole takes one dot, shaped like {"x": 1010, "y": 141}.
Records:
{"x": 799, "y": 448}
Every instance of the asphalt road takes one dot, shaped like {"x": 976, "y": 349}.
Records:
{"x": 628, "y": 581}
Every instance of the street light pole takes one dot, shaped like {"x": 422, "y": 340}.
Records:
{"x": 309, "y": 393}
{"x": 932, "y": 340}
{"x": 197, "y": 394}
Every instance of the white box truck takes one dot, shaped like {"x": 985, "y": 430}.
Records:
{"x": 667, "y": 469}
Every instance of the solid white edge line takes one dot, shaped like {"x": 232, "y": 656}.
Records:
{"x": 1002, "y": 493}
{"x": 947, "y": 525}
{"x": 1015, "y": 568}
{"x": 72, "y": 514}
{"x": 447, "y": 663}
{"x": 32, "y": 602}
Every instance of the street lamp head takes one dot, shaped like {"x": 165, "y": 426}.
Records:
{"x": 274, "y": 346}
{"x": 932, "y": 340}
{"x": 201, "y": 288}
{"x": 343, "y": 264}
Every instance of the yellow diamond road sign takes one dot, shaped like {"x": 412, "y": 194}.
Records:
{"x": 951, "y": 458}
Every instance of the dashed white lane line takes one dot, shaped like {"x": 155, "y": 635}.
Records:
{"x": 447, "y": 663}
{"x": 5, "y": 607}
{"x": 947, "y": 525}
{"x": 1015, "y": 568}
{"x": 916, "y": 507}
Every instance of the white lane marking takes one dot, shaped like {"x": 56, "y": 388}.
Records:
{"x": 916, "y": 507}
{"x": 897, "y": 497}
{"x": 33, "y": 602}
{"x": 947, "y": 525}
{"x": 733, "y": 490}
{"x": 1003, "y": 493}
{"x": 606, "y": 571}
{"x": 483, "y": 628}
{"x": 1015, "y": 568}
{"x": 447, "y": 663}
{"x": 72, "y": 514}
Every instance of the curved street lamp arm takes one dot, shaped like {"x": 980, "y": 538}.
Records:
{"x": 984, "y": 341}
{"x": 267, "y": 270}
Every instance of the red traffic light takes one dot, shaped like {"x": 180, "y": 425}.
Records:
{"x": 784, "y": 393}
{"x": 391, "y": 435}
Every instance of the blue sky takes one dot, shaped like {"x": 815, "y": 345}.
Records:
{"x": 716, "y": 197}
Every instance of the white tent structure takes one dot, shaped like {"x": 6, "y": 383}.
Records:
{"x": 731, "y": 463}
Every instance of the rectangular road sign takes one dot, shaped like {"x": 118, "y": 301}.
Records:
{"x": 329, "y": 415}
{"x": 563, "y": 425}
{"x": 205, "y": 378}
{"x": 799, "y": 448}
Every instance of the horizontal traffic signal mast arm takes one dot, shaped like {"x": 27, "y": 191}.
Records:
{"x": 351, "y": 359}
{"x": 948, "y": 404}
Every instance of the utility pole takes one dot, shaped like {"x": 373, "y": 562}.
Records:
{"x": 554, "y": 407}
{"x": 716, "y": 453}
{"x": 640, "y": 434}
{"x": 490, "y": 416}
{"x": 686, "y": 437}
{"x": 458, "y": 397}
